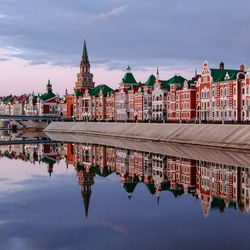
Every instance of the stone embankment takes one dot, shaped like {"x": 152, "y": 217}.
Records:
{"x": 208, "y": 135}
{"x": 231, "y": 157}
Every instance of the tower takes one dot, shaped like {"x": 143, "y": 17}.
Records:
{"x": 86, "y": 180}
{"x": 84, "y": 78}
{"x": 48, "y": 87}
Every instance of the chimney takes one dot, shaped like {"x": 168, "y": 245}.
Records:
{"x": 222, "y": 65}
{"x": 242, "y": 67}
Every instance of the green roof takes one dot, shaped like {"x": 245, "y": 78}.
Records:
{"x": 47, "y": 96}
{"x": 50, "y": 161}
{"x": 129, "y": 78}
{"x": 177, "y": 192}
{"x": 96, "y": 91}
{"x": 165, "y": 185}
{"x": 176, "y": 80}
{"x": 7, "y": 154}
{"x": 78, "y": 93}
{"x": 106, "y": 172}
{"x": 79, "y": 167}
{"x": 151, "y": 80}
{"x": 165, "y": 85}
{"x": 6, "y": 99}
{"x": 129, "y": 187}
{"x": 151, "y": 188}
{"x": 173, "y": 80}
{"x": 218, "y": 75}
{"x": 218, "y": 203}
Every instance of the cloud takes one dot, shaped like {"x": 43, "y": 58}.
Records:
{"x": 108, "y": 224}
{"x": 106, "y": 15}
{"x": 3, "y": 59}
{"x": 9, "y": 51}
{"x": 144, "y": 33}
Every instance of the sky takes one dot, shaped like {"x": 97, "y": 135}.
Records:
{"x": 43, "y": 39}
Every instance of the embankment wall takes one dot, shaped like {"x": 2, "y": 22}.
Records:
{"x": 215, "y": 135}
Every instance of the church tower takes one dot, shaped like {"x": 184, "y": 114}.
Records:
{"x": 84, "y": 78}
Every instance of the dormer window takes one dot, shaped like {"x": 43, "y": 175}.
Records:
{"x": 227, "y": 76}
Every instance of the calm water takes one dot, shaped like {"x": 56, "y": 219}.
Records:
{"x": 83, "y": 196}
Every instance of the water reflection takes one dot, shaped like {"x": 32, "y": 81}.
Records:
{"x": 218, "y": 186}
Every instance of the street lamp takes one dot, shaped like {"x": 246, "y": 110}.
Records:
{"x": 223, "y": 110}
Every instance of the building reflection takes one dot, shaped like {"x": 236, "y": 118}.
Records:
{"x": 218, "y": 186}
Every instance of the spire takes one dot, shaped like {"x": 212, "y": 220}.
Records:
{"x": 128, "y": 69}
{"x": 49, "y": 87}
{"x": 129, "y": 196}
{"x": 85, "y": 53}
{"x": 195, "y": 73}
{"x": 86, "y": 200}
{"x": 157, "y": 74}
{"x": 158, "y": 200}
{"x": 158, "y": 196}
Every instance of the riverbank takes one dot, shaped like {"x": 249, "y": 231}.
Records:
{"x": 212, "y": 135}
{"x": 218, "y": 155}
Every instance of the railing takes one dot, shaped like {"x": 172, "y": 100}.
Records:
{"x": 170, "y": 121}
{"x": 32, "y": 117}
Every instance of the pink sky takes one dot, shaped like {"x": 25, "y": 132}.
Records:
{"x": 17, "y": 76}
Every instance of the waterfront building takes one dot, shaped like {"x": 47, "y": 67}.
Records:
{"x": 12, "y": 105}
{"x": 147, "y": 98}
{"x": 181, "y": 99}
{"x": 217, "y": 95}
{"x": 222, "y": 94}
{"x": 124, "y": 97}
{"x": 159, "y": 99}
{"x": 110, "y": 112}
{"x": 62, "y": 105}
{"x": 46, "y": 104}
{"x": 4, "y": 101}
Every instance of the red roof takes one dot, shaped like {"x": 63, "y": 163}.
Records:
{"x": 12, "y": 100}
{"x": 21, "y": 98}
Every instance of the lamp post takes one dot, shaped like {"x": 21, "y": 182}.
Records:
{"x": 223, "y": 110}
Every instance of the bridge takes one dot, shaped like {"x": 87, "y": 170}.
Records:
{"x": 18, "y": 142}
{"x": 36, "y": 118}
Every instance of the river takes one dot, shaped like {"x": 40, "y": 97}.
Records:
{"x": 76, "y": 195}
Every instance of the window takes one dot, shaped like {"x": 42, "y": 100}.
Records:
{"x": 243, "y": 90}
